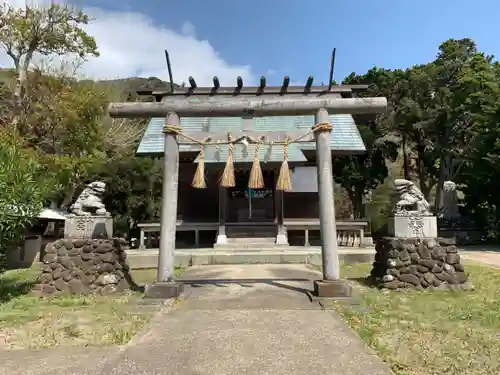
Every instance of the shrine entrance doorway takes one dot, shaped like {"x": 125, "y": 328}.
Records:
{"x": 245, "y": 205}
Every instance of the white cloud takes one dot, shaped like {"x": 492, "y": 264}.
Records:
{"x": 188, "y": 29}
{"x": 131, "y": 44}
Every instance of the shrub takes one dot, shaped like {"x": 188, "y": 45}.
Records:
{"x": 21, "y": 191}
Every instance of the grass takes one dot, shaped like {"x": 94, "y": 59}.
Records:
{"x": 429, "y": 332}
{"x": 29, "y": 322}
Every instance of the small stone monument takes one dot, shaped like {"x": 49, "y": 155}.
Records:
{"x": 413, "y": 256}
{"x": 89, "y": 218}
{"x": 449, "y": 209}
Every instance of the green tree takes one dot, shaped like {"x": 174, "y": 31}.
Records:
{"x": 22, "y": 191}
{"x": 479, "y": 172}
{"x": 464, "y": 84}
{"x": 434, "y": 110}
{"x": 66, "y": 122}
{"x": 360, "y": 174}
{"x": 133, "y": 187}
{"x": 64, "y": 125}
{"x": 391, "y": 84}
{"x": 413, "y": 121}
{"x": 54, "y": 29}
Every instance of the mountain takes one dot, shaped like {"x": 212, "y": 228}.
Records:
{"x": 128, "y": 86}
{"x": 125, "y": 86}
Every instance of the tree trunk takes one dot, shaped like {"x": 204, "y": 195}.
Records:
{"x": 406, "y": 162}
{"x": 17, "y": 100}
{"x": 425, "y": 185}
{"x": 444, "y": 164}
{"x": 443, "y": 172}
{"x": 68, "y": 198}
{"x": 20, "y": 88}
{"x": 356, "y": 197}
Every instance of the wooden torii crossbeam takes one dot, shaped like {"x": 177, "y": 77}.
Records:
{"x": 248, "y": 102}
{"x": 229, "y": 106}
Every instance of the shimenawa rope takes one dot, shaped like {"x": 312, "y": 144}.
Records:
{"x": 256, "y": 180}
{"x": 228, "y": 179}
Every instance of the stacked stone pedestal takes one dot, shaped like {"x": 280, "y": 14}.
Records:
{"x": 84, "y": 266}
{"x": 418, "y": 263}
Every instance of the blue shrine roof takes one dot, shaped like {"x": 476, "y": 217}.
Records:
{"x": 345, "y": 137}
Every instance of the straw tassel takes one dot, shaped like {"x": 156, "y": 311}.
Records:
{"x": 199, "y": 176}
{"x": 228, "y": 179}
{"x": 256, "y": 180}
{"x": 284, "y": 179}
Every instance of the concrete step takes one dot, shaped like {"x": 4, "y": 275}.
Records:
{"x": 251, "y": 240}
{"x": 257, "y": 232}
{"x": 139, "y": 259}
{"x": 251, "y": 235}
{"x": 239, "y": 249}
{"x": 249, "y": 246}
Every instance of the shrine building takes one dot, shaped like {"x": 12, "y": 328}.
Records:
{"x": 243, "y": 216}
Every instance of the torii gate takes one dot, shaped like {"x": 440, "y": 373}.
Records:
{"x": 248, "y": 102}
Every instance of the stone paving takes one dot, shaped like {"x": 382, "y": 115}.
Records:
{"x": 245, "y": 319}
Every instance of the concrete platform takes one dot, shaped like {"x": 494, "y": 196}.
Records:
{"x": 140, "y": 259}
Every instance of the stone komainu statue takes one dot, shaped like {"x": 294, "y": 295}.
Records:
{"x": 89, "y": 202}
{"x": 411, "y": 200}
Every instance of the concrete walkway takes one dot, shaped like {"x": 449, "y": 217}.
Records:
{"x": 58, "y": 361}
{"x": 252, "y": 320}
{"x": 245, "y": 319}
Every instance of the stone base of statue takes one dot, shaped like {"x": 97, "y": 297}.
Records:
{"x": 88, "y": 227}
{"x": 413, "y": 256}
{"x": 413, "y": 226}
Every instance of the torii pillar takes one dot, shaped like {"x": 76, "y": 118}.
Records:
{"x": 165, "y": 286}
{"x": 331, "y": 286}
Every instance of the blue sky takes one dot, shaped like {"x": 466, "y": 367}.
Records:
{"x": 295, "y": 37}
